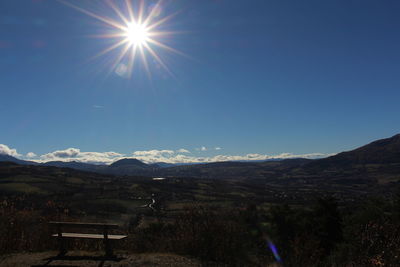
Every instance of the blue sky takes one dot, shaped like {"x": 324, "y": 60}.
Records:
{"x": 261, "y": 78}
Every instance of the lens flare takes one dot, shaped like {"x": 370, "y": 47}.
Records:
{"x": 274, "y": 250}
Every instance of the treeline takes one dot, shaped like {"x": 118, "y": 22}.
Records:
{"x": 324, "y": 234}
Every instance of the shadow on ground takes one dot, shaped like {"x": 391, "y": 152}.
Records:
{"x": 51, "y": 261}
{"x": 95, "y": 259}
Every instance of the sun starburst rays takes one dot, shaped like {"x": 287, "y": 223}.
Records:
{"x": 134, "y": 33}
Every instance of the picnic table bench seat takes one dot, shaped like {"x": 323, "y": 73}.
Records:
{"x": 89, "y": 236}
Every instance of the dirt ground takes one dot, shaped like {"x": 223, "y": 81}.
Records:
{"x": 90, "y": 259}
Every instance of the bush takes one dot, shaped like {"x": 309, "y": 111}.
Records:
{"x": 202, "y": 232}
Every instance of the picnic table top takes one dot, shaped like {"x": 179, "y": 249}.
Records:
{"x": 86, "y": 224}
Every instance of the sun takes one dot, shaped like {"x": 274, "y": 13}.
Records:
{"x": 136, "y": 33}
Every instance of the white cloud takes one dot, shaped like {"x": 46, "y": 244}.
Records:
{"x": 169, "y": 156}
{"x": 182, "y": 150}
{"x": 31, "y": 155}
{"x": 67, "y": 153}
{"x": 5, "y": 150}
{"x": 203, "y": 148}
{"x": 148, "y": 156}
{"x": 154, "y": 152}
{"x": 217, "y": 148}
{"x": 75, "y": 154}
{"x": 154, "y": 155}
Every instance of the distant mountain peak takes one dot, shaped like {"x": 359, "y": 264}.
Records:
{"x": 8, "y": 158}
{"x": 129, "y": 162}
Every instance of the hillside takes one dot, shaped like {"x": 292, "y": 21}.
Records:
{"x": 377, "y": 162}
{"x": 219, "y": 200}
{"x": 383, "y": 151}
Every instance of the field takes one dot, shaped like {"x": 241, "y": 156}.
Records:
{"x": 224, "y": 221}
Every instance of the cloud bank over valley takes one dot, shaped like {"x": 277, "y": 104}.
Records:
{"x": 181, "y": 155}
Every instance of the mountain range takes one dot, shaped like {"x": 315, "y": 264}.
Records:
{"x": 377, "y": 158}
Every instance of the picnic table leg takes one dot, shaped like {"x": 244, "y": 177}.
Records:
{"x": 63, "y": 249}
{"x": 107, "y": 244}
{"x": 61, "y": 243}
{"x": 108, "y": 248}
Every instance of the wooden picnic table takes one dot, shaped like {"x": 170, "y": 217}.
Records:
{"x": 104, "y": 234}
